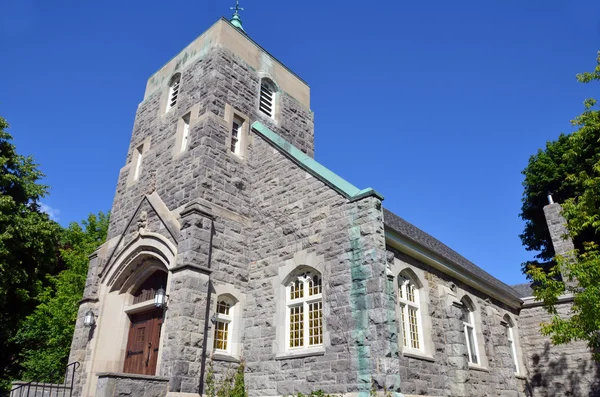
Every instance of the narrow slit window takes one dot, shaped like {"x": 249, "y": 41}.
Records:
{"x": 236, "y": 136}
{"x": 138, "y": 162}
{"x": 267, "y": 98}
{"x": 174, "y": 87}
{"x": 186, "y": 132}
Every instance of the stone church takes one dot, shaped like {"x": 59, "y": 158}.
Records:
{"x": 229, "y": 242}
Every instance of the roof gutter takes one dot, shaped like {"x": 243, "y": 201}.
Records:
{"x": 410, "y": 248}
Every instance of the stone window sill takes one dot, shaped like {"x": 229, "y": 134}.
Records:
{"x": 316, "y": 351}
{"x": 519, "y": 376}
{"x": 418, "y": 355}
{"x": 476, "y": 367}
{"x": 225, "y": 357}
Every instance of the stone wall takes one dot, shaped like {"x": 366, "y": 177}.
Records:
{"x": 553, "y": 371}
{"x": 117, "y": 385}
{"x": 448, "y": 372}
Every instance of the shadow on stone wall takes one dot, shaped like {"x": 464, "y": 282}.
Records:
{"x": 558, "y": 375}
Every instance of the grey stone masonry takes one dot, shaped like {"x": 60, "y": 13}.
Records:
{"x": 183, "y": 349}
{"x": 448, "y": 372}
{"x": 117, "y": 385}
{"x": 556, "y": 371}
{"x": 557, "y": 226}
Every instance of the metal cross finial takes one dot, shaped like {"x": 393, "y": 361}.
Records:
{"x": 237, "y": 7}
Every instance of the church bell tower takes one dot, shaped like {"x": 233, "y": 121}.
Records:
{"x": 181, "y": 217}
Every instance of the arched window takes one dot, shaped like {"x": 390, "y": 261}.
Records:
{"x": 468, "y": 320}
{"x": 510, "y": 334}
{"x": 410, "y": 313}
{"x": 173, "y": 91}
{"x": 224, "y": 318}
{"x": 304, "y": 311}
{"x": 268, "y": 92}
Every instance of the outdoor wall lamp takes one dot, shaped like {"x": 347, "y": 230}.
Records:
{"x": 89, "y": 319}
{"x": 160, "y": 298}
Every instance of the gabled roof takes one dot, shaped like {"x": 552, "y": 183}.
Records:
{"x": 414, "y": 240}
{"x": 454, "y": 262}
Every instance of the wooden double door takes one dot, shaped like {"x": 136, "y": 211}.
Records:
{"x": 143, "y": 344}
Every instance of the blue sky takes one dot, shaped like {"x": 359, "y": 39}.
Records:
{"x": 436, "y": 104}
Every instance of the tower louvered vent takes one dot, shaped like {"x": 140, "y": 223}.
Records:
{"x": 267, "y": 99}
{"x": 173, "y": 91}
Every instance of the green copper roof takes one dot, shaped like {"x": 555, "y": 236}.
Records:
{"x": 313, "y": 167}
{"x": 235, "y": 19}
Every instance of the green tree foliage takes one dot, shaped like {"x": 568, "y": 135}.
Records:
{"x": 570, "y": 168}
{"x": 45, "y": 335}
{"x": 28, "y": 242}
{"x": 239, "y": 385}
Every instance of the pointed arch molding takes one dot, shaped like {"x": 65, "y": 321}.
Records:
{"x": 145, "y": 245}
{"x": 144, "y": 242}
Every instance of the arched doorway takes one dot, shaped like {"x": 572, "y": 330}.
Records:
{"x": 141, "y": 354}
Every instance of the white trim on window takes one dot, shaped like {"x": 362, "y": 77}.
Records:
{"x": 470, "y": 334}
{"x": 512, "y": 343}
{"x": 236, "y": 136}
{"x": 224, "y": 318}
{"x": 185, "y": 133}
{"x": 304, "y": 314}
{"x": 410, "y": 312}
{"x": 138, "y": 162}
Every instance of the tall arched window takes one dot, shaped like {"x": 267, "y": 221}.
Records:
{"x": 468, "y": 320}
{"x": 268, "y": 92}
{"x": 304, "y": 311}
{"x": 173, "y": 91}
{"x": 510, "y": 334}
{"x": 410, "y": 313}
{"x": 224, "y": 318}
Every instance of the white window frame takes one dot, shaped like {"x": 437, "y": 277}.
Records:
{"x": 269, "y": 85}
{"x": 471, "y": 325}
{"x": 186, "y": 132}
{"x": 404, "y": 284}
{"x": 513, "y": 344}
{"x": 174, "y": 90}
{"x": 237, "y": 148}
{"x": 303, "y": 302}
{"x": 227, "y": 319}
{"x": 138, "y": 162}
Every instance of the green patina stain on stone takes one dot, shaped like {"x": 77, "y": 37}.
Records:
{"x": 359, "y": 305}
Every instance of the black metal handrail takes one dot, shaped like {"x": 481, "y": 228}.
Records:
{"x": 32, "y": 388}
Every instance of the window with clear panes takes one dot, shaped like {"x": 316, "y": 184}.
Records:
{"x": 236, "y": 136}
{"x": 223, "y": 325}
{"x": 304, "y": 311}
{"x": 410, "y": 313}
{"x": 468, "y": 320}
